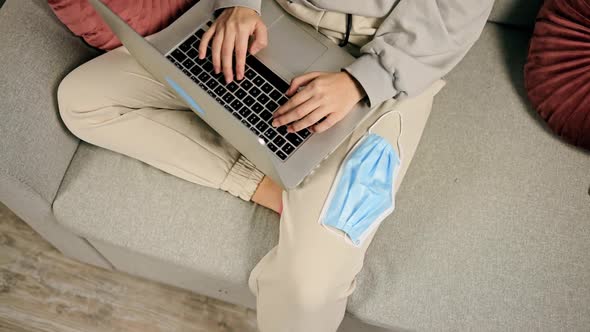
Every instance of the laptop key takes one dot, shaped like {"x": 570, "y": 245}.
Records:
{"x": 204, "y": 77}
{"x": 188, "y": 63}
{"x": 263, "y": 99}
{"x": 220, "y": 91}
{"x": 186, "y": 45}
{"x": 245, "y": 111}
{"x": 178, "y": 55}
{"x": 220, "y": 78}
{"x": 196, "y": 70}
{"x": 262, "y": 126}
{"x": 228, "y": 97}
{"x": 200, "y": 33}
{"x": 236, "y": 105}
{"x": 281, "y": 155}
{"x": 255, "y": 92}
{"x": 288, "y": 148}
{"x": 279, "y": 141}
{"x": 271, "y": 106}
{"x": 304, "y": 133}
{"x": 258, "y": 81}
{"x": 208, "y": 66}
{"x": 282, "y": 130}
{"x": 257, "y": 108}
{"x": 266, "y": 115}
{"x": 253, "y": 119}
{"x": 272, "y": 147}
{"x": 275, "y": 95}
{"x": 212, "y": 84}
{"x": 240, "y": 93}
{"x": 193, "y": 54}
{"x": 294, "y": 139}
{"x": 246, "y": 123}
{"x": 267, "y": 88}
{"x": 283, "y": 100}
{"x": 270, "y": 133}
{"x": 232, "y": 86}
{"x": 250, "y": 74}
{"x": 249, "y": 101}
{"x": 246, "y": 84}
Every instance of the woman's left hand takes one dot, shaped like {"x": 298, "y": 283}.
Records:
{"x": 324, "y": 95}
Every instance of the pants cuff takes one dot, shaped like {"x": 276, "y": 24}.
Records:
{"x": 243, "y": 179}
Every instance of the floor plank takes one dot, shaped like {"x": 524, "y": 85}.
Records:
{"x": 41, "y": 290}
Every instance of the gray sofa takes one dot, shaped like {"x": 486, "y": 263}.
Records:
{"x": 491, "y": 230}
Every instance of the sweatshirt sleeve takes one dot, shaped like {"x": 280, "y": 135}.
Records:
{"x": 419, "y": 42}
{"x": 252, "y": 4}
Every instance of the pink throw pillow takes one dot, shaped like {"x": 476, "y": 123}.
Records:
{"x": 145, "y": 16}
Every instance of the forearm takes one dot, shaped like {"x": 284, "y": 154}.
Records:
{"x": 417, "y": 44}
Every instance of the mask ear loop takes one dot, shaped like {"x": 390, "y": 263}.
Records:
{"x": 399, "y": 146}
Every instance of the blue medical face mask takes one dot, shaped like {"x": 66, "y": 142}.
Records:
{"x": 363, "y": 193}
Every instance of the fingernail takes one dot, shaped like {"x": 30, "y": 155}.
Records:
{"x": 275, "y": 123}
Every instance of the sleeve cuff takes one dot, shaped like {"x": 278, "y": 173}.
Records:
{"x": 375, "y": 80}
{"x": 252, "y": 4}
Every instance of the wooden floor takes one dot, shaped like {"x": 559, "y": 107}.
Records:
{"x": 41, "y": 290}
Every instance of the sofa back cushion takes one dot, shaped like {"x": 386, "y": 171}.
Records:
{"x": 557, "y": 72}
{"x": 145, "y": 16}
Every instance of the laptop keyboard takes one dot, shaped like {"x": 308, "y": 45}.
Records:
{"x": 251, "y": 100}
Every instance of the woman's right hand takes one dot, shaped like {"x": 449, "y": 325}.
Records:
{"x": 230, "y": 33}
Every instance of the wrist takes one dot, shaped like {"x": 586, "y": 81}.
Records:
{"x": 356, "y": 88}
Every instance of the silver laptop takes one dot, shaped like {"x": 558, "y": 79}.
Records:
{"x": 241, "y": 111}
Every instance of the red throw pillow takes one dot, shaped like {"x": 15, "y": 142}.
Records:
{"x": 557, "y": 72}
{"x": 145, "y": 16}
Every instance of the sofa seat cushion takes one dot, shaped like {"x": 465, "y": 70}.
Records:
{"x": 491, "y": 229}
{"x": 558, "y": 69}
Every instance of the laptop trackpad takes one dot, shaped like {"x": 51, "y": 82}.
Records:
{"x": 291, "y": 47}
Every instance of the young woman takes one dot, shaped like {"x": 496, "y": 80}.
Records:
{"x": 405, "y": 46}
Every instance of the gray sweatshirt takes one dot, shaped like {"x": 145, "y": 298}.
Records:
{"x": 418, "y": 42}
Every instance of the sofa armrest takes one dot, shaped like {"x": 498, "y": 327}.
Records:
{"x": 37, "y": 51}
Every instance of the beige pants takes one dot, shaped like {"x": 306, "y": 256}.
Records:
{"x": 303, "y": 283}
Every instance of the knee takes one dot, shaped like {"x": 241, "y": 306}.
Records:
{"x": 69, "y": 98}
{"x": 310, "y": 290}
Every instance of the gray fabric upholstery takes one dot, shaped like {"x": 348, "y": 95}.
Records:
{"x": 36, "y": 53}
{"x": 492, "y": 226}
{"x": 516, "y": 12}
{"x": 491, "y": 230}
{"x": 35, "y": 150}
{"x": 112, "y": 198}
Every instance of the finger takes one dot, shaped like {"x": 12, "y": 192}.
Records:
{"x": 205, "y": 39}
{"x": 297, "y": 113}
{"x": 301, "y": 97}
{"x": 300, "y": 81}
{"x": 328, "y": 122}
{"x": 260, "y": 38}
{"x": 241, "y": 50}
{"x": 308, "y": 121}
{"x": 227, "y": 54}
{"x": 216, "y": 50}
